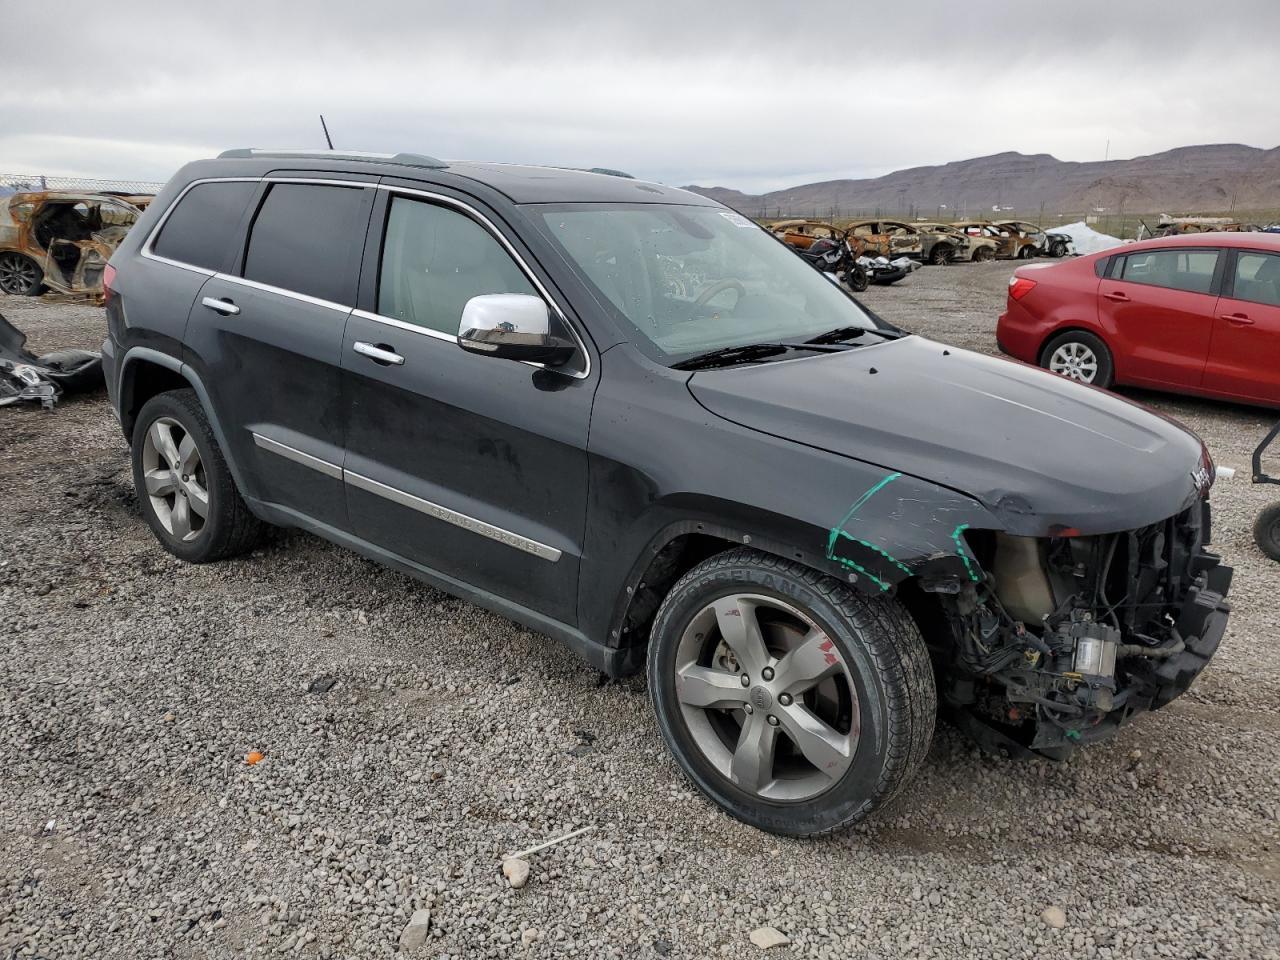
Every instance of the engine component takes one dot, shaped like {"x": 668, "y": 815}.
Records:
{"x": 1021, "y": 583}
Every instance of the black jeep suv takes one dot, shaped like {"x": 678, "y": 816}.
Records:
{"x": 629, "y": 418}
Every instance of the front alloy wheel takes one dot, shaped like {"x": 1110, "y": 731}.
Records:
{"x": 766, "y": 697}
{"x": 794, "y": 703}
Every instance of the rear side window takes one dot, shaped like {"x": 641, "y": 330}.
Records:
{"x": 434, "y": 260}
{"x": 1190, "y": 270}
{"x": 201, "y": 226}
{"x": 1257, "y": 278}
{"x": 306, "y": 238}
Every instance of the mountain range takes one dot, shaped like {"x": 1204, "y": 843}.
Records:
{"x": 1199, "y": 179}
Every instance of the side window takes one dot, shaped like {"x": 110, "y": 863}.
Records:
{"x": 306, "y": 238}
{"x": 1190, "y": 270}
{"x": 434, "y": 260}
{"x": 1257, "y": 278}
{"x": 199, "y": 230}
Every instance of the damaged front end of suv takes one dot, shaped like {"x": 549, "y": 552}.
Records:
{"x": 1049, "y": 539}
{"x": 1067, "y": 637}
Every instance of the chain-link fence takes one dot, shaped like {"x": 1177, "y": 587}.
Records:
{"x": 15, "y": 182}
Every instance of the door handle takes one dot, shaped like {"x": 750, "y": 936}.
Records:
{"x": 378, "y": 353}
{"x": 1117, "y": 297}
{"x": 224, "y": 307}
{"x": 1239, "y": 319}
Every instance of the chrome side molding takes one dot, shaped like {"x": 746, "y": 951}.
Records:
{"x": 395, "y": 495}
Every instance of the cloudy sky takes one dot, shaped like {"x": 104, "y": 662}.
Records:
{"x": 746, "y": 94}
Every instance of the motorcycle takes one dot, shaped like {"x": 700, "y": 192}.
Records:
{"x": 836, "y": 258}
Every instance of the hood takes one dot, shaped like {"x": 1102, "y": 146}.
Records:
{"x": 1040, "y": 452}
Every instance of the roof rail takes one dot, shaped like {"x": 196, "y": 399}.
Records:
{"x": 404, "y": 159}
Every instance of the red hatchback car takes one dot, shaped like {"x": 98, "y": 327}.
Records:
{"x": 1198, "y": 313}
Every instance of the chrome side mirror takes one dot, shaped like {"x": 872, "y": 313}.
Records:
{"x": 514, "y": 326}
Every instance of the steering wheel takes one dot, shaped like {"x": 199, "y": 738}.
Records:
{"x": 707, "y": 295}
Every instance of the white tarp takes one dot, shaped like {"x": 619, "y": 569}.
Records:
{"x": 1085, "y": 239}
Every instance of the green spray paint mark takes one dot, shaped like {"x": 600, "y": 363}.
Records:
{"x": 845, "y": 562}
{"x": 836, "y": 530}
{"x": 880, "y": 550}
{"x": 963, "y": 554}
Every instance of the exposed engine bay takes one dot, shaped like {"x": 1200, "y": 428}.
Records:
{"x": 1069, "y": 637}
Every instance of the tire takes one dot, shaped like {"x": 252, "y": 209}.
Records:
{"x": 20, "y": 276}
{"x": 868, "y": 719}
{"x": 856, "y": 279}
{"x": 197, "y": 471}
{"x": 983, "y": 254}
{"x": 941, "y": 255}
{"x": 1026, "y": 252}
{"x": 1058, "y": 250}
{"x": 1266, "y": 531}
{"x": 1083, "y": 345}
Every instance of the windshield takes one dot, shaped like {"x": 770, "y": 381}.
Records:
{"x": 690, "y": 279}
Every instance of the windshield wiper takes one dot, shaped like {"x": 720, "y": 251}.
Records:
{"x": 840, "y": 334}
{"x": 727, "y": 356}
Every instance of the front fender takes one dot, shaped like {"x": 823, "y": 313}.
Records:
{"x": 662, "y": 467}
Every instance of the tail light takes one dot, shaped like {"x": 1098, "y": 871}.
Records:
{"x": 108, "y": 278}
{"x": 1019, "y": 287}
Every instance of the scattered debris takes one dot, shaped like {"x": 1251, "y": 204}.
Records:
{"x": 516, "y": 871}
{"x": 414, "y": 934}
{"x": 43, "y": 379}
{"x": 529, "y": 935}
{"x": 322, "y": 684}
{"x": 254, "y": 757}
{"x": 515, "y": 866}
{"x": 1054, "y": 917}
{"x": 767, "y": 937}
{"x": 542, "y": 846}
{"x": 662, "y": 947}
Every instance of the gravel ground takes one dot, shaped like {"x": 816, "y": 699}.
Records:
{"x": 411, "y": 740}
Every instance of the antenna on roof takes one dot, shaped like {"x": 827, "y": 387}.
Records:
{"x": 325, "y": 127}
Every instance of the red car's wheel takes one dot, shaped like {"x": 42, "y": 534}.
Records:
{"x": 1079, "y": 355}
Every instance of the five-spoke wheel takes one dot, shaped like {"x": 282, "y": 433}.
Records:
{"x": 184, "y": 486}
{"x": 793, "y": 702}
{"x": 174, "y": 478}
{"x": 767, "y": 696}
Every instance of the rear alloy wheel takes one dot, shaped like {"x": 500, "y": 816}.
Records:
{"x": 174, "y": 479}
{"x": 184, "y": 486}
{"x": 1079, "y": 355}
{"x": 19, "y": 275}
{"x": 794, "y": 703}
{"x": 941, "y": 255}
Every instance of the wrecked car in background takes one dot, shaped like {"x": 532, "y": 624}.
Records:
{"x": 1010, "y": 243}
{"x": 1048, "y": 242}
{"x": 974, "y": 248}
{"x": 802, "y": 233}
{"x": 940, "y": 245}
{"x": 886, "y": 238}
{"x": 60, "y": 240}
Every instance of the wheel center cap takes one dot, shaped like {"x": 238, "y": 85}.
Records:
{"x": 761, "y": 698}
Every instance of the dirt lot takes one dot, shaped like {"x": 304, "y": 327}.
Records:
{"x": 133, "y": 687}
